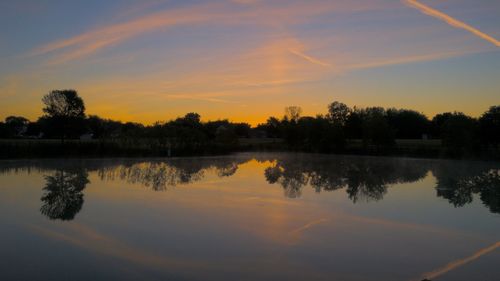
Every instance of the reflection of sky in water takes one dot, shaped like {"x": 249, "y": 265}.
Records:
{"x": 248, "y": 217}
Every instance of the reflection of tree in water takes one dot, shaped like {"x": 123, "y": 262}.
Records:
{"x": 63, "y": 194}
{"x": 363, "y": 178}
{"x": 159, "y": 175}
{"x": 458, "y": 182}
{"x": 291, "y": 179}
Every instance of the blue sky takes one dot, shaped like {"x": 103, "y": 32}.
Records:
{"x": 247, "y": 59}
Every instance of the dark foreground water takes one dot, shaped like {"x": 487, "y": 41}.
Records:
{"x": 250, "y": 217}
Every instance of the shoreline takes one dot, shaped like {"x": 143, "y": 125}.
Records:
{"x": 99, "y": 149}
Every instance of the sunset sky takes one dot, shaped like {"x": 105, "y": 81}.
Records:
{"x": 246, "y": 60}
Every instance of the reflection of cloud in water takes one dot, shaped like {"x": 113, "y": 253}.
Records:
{"x": 459, "y": 263}
{"x": 185, "y": 268}
{"x": 308, "y": 225}
{"x": 88, "y": 239}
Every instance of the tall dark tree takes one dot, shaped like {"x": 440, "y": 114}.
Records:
{"x": 354, "y": 125}
{"x": 376, "y": 127}
{"x": 292, "y": 113}
{"x": 242, "y": 130}
{"x": 192, "y": 118}
{"x": 273, "y": 127}
{"x": 338, "y": 113}
{"x": 65, "y": 112}
{"x": 437, "y": 124}
{"x": 459, "y": 134}
{"x": 408, "y": 124}
{"x": 490, "y": 125}
{"x": 226, "y": 136}
{"x": 3, "y": 130}
{"x": 16, "y": 125}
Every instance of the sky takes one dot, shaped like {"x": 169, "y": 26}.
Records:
{"x": 245, "y": 60}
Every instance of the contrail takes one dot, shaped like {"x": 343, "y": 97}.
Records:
{"x": 309, "y": 58}
{"x": 461, "y": 262}
{"x": 449, "y": 20}
{"x": 308, "y": 225}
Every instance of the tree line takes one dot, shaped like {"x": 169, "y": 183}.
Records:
{"x": 337, "y": 131}
{"x": 65, "y": 119}
{"x": 381, "y": 128}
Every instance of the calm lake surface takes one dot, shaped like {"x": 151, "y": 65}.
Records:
{"x": 250, "y": 216}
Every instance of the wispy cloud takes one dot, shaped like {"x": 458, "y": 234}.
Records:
{"x": 309, "y": 58}
{"x": 104, "y": 36}
{"x": 200, "y": 98}
{"x": 450, "y": 20}
{"x": 408, "y": 59}
{"x": 458, "y": 263}
{"x": 101, "y": 37}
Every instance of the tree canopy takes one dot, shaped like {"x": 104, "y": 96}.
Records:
{"x": 63, "y": 103}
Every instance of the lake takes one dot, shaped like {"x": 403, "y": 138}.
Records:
{"x": 250, "y": 216}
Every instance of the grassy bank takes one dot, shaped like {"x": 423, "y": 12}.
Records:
{"x": 50, "y": 148}
{"x": 34, "y": 148}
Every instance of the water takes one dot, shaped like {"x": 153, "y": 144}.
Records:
{"x": 250, "y": 217}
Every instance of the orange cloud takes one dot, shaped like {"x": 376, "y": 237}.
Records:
{"x": 451, "y": 21}
{"x": 94, "y": 40}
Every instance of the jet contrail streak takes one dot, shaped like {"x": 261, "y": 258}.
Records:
{"x": 451, "y": 21}
{"x": 309, "y": 58}
{"x": 459, "y": 263}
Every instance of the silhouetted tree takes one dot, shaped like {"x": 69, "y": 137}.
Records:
{"x": 338, "y": 113}
{"x": 226, "y": 136}
{"x": 376, "y": 127}
{"x": 438, "y": 122}
{"x": 407, "y": 124}
{"x": 292, "y": 113}
{"x": 16, "y": 125}
{"x": 272, "y": 127}
{"x": 103, "y": 128}
{"x": 490, "y": 125}
{"x": 4, "y": 133}
{"x": 354, "y": 124}
{"x": 34, "y": 129}
{"x": 242, "y": 130}
{"x": 319, "y": 135}
{"x": 192, "y": 118}
{"x": 64, "y": 112}
{"x": 459, "y": 134}
{"x": 131, "y": 130}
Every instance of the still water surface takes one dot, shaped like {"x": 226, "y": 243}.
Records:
{"x": 250, "y": 217}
